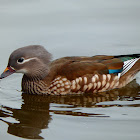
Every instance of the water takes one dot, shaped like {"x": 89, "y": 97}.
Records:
{"x": 69, "y": 28}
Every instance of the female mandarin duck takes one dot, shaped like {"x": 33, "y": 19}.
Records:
{"x": 70, "y": 75}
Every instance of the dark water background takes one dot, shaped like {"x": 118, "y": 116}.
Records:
{"x": 69, "y": 28}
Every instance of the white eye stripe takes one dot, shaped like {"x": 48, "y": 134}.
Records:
{"x": 26, "y": 60}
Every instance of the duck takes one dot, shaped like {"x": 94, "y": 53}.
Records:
{"x": 70, "y": 75}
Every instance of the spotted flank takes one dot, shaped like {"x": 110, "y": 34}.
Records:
{"x": 60, "y": 85}
{"x": 95, "y": 83}
{"x": 90, "y": 83}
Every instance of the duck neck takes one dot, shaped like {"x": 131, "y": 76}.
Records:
{"x": 38, "y": 75}
{"x": 34, "y": 84}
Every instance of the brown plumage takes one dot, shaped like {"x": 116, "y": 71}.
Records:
{"x": 70, "y": 75}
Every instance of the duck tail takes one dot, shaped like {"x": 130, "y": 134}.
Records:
{"x": 131, "y": 63}
{"x": 127, "y": 57}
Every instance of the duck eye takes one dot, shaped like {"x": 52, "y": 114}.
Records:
{"x": 20, "y": 60}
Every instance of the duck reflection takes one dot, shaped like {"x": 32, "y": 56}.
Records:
{"x": 35, "y": 113}
{"x": 32, "y": 117}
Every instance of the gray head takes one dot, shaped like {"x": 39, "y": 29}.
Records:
{"x": 33, "y": 61}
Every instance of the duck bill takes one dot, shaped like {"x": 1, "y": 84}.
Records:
{"x": 8, "y": 71}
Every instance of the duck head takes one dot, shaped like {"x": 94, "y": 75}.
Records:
{"x": 33, "y": 61}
